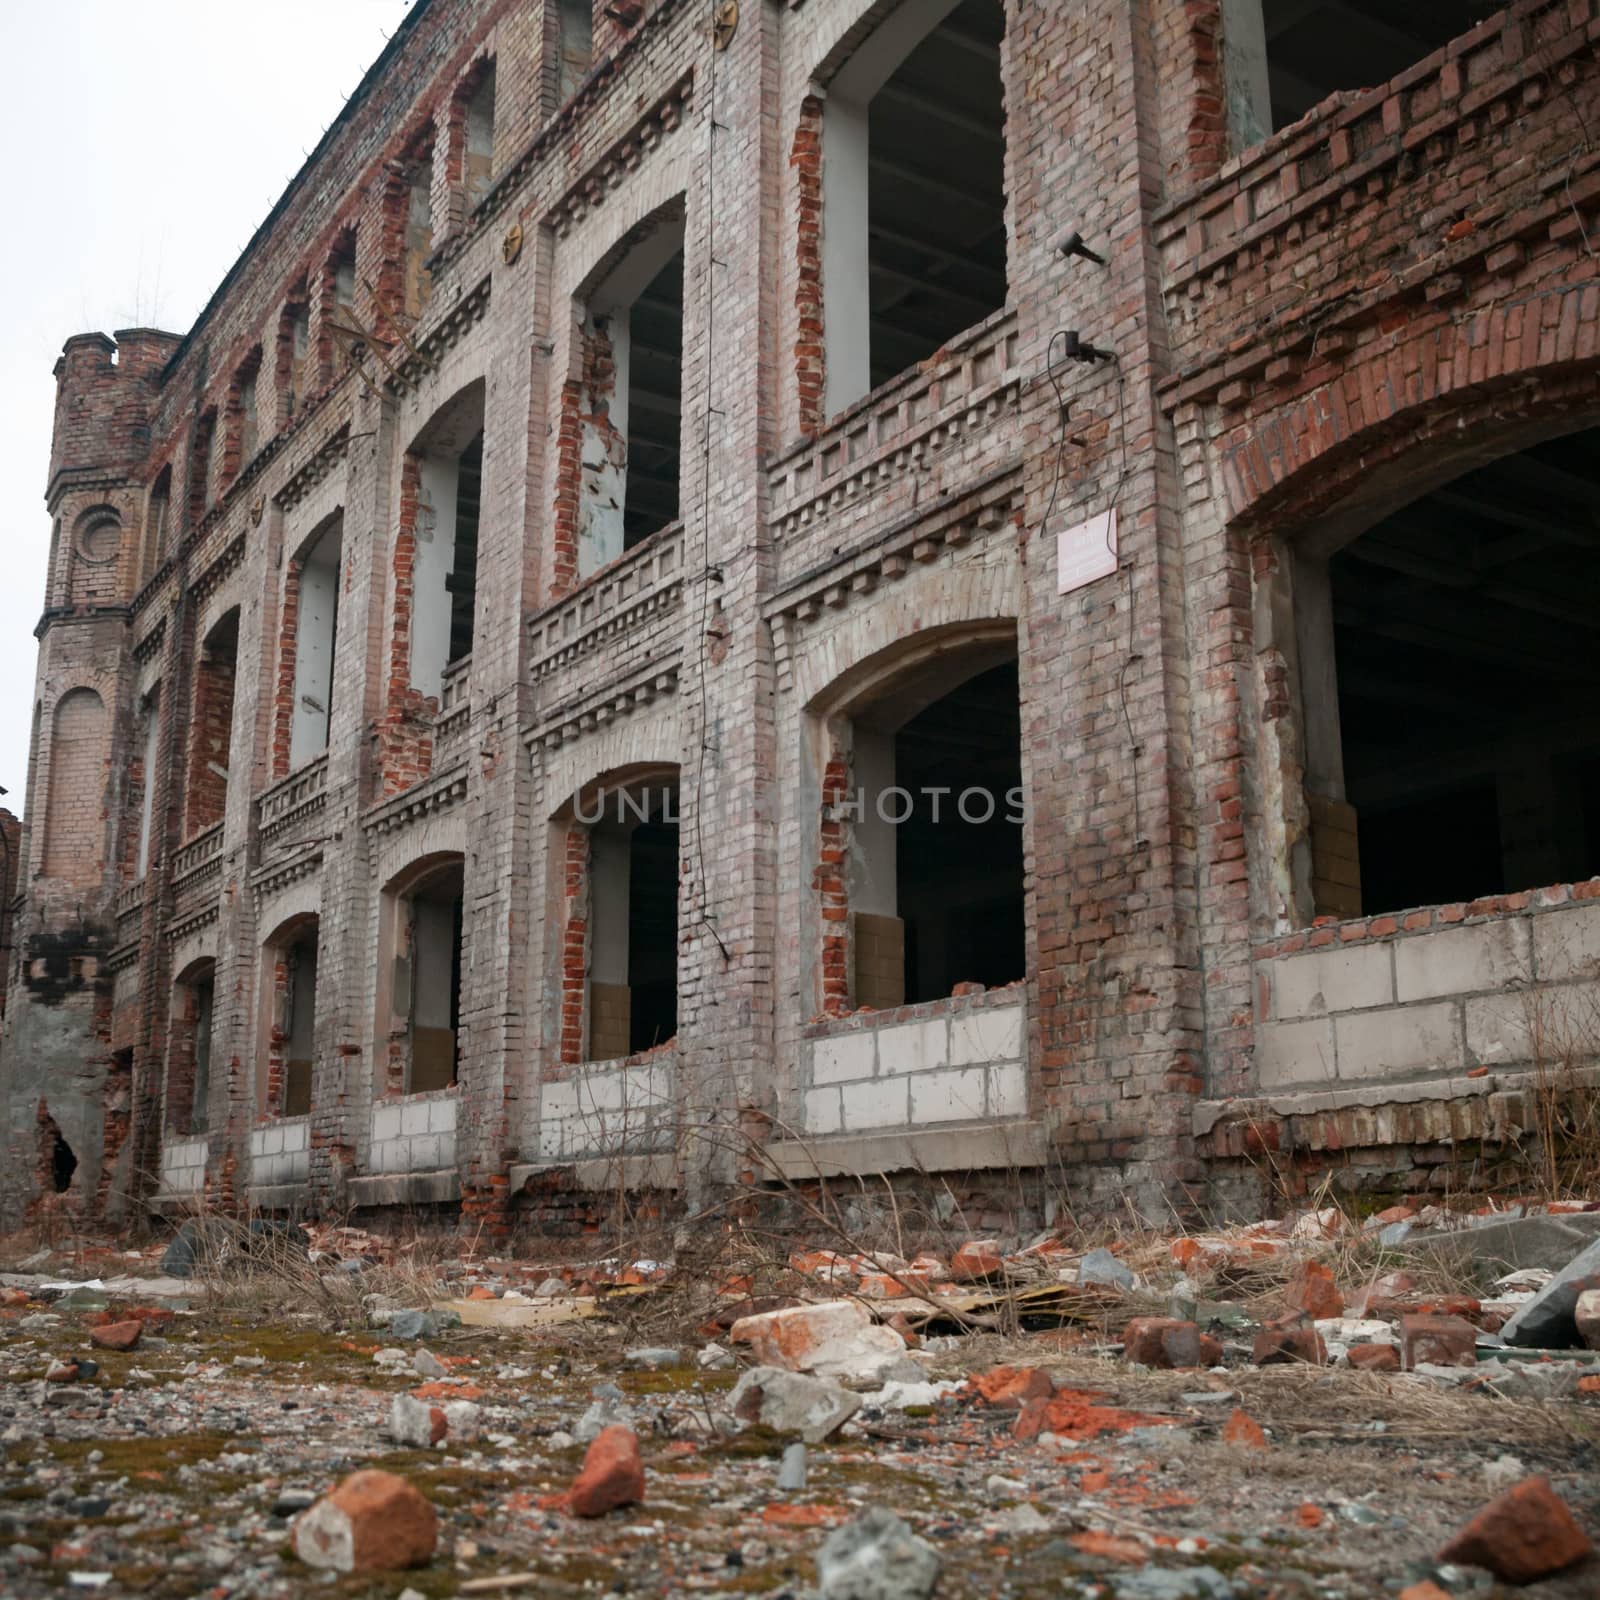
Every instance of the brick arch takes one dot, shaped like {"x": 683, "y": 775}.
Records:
{"x": 933, "y": 606}
{"x": 625, "y": 744}
{"x": 1449, "y": 394}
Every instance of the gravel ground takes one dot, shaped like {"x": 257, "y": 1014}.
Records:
{"x": 176, "y": 1469}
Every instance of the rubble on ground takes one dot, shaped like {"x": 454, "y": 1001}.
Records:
{"x": 1314, "y": 1405}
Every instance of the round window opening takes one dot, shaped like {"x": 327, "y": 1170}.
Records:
{"x": 100, "y": 541}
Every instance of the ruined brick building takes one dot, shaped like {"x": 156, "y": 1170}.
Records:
{"x": 643, "y": 433}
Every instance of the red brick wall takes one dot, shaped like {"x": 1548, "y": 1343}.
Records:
{"x": 809, "y": 349}
{"x": 575, "y": 944}
{"x": 405, "y": 734}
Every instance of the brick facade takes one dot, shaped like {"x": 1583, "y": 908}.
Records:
{"x": 1399, "y": 282}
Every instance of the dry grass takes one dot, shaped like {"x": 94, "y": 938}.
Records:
{"x": 269, "y": 1276}
{"x": 1303, "y": 1402}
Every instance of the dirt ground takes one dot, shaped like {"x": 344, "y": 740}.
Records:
{"x": 177, "y": 1468}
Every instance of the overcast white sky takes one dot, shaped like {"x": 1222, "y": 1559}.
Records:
{"x": 148, "y": 140}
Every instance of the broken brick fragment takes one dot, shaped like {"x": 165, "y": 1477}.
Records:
{"x": 1013, "y": 1386}
{"x": 1375, "y": 1357}
{"x": 977, "y": 1259}
{"x": 1288, "y": 1338}
{"x": 612, "y": 1474}
{"x": 372, "y": 1522}
{"x": 1438, "y": 1341}
{"x": 117, "y": 1335}
{"x": 1522, "y": 1535}
{"x": 1110, "y": 1547}
{"x": 1313, "y": 1290}
{"x": 1166, "y": 1342}
{"x": 1244, "y": 1431}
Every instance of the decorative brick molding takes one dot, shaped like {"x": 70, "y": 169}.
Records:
{"x": 564, "y": 724}
{"x": 622, "y": 158}
{"x": 437, "y": 793}
{"x": 317, "y": 467}
{"x": 634, "y": 590}
{"x": 1241, "y": 315}
{"x": 971, "y": 384}
{"x": 149, "y": 643}
{"x": 444, "y": 330}
{"x": 300, "y": 795}
{"x": 956, "y": 519}
{"x": 272, "y": 880}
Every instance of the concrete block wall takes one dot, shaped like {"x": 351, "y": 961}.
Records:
{"x": 911, "y": 1068}
{"x": 609, "y": 1110}
{"x": 1349, "y": 1005}
{"x": 416, "y": 1133}
{"x": 183, "y": 1166}
{"x": 280, "y": 1152}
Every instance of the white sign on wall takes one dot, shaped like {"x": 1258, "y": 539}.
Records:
{"x": 1086, "y": 552}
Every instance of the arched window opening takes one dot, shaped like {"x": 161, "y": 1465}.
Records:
{"x": 921, "y": 874}
{"x": 633, "y": 949}
{"x": 1449, "y": 670}
{"x": 478, "y": 176}
{"x": 315, "y": 579}
{"x": 211, "y": 731}
{"x": 158, "y": 514}
{"x": 447, "y": 463}
{"x": 149, "y": 746}
{"x": 291, "y": 995}
{"x": 914, "y": 230}
{"x": 630, "y": 358}
{"x": 620, "y": 888}
{"x": 189, "y": 1051}
{"x": 426, "y": 990}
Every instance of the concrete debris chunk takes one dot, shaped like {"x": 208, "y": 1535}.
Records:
{"x": 1100, "y": 1266}
{"x": 1586, "y": 1318}
{"x": 791, "y": 1402}
{"x": 607, "y": 1411}
{"x": 415, "y": 1423}
{"x": 1549, "y": 1320}
{"x": 837, "y": 1338}
{"x": 876, "y": 1557}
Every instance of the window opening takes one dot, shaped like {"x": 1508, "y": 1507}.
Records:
{"x": 914, "y": 234}
{"x": 1449, "y": 668}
